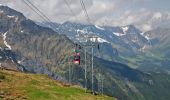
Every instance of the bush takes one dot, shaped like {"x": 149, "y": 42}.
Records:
{"x": 2, "y": 77}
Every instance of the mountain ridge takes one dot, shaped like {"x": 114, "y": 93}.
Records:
{"x": 124, "y": 44}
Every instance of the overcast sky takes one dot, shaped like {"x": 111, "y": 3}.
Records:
{"x": 145, "y": 14}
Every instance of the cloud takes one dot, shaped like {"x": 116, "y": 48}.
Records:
{"x": 59, "y": 12}
{"x": 157, "y": 15}
{"x": 146, "y": 27}
{"x": 101, "y": 12}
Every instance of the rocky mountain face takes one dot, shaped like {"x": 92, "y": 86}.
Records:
{"x": 126, "y": 36}
{"x": 127, "y": 44}
{"x": 23, "y": 37}
{"x": 28, "y": 47}
{"x": 158, "y": 54}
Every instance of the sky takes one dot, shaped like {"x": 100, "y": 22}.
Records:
{"x": 144, "y": 14}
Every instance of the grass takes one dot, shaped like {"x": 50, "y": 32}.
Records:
{"x": 21, "y": 86}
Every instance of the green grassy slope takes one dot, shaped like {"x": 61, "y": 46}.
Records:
{"x": 21, "y": 86}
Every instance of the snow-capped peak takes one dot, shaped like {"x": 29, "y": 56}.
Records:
{"x": 5, "y": 42}
{"x": 98, "y": 27}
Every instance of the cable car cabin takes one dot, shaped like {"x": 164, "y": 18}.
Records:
{"x": 77, "y": 58}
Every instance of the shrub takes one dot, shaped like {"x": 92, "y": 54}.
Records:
{"x": 2, "y": 77}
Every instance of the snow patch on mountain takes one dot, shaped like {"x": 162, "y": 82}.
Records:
{"x": 143, "y": 48}
{"x": 98, "y": 27}
{"x": 16, "y": 19}
{"x": 19, "y": 62}
{"x": 142, "y": 33}
{"x": 99, "y": 39}
{"x": 118, "y": 34}
{"x": 81, "y": 31}
{"x": 147, "y": 37}
{"x": 5, "y": 42}
{"x": 125, "y": 29}
{"x": 10, "y": 16}
{"x": 134, "y": 40}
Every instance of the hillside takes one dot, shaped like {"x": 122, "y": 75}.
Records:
{"x": 21, "y": 86}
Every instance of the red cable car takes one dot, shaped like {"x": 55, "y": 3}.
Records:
{"x": 77, "y": 58}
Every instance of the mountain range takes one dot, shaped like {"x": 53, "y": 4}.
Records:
{"x": 28, "y": 47}
{"x": 146, "y": 51}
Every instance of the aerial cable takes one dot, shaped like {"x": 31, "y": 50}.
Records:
{"x": 85, "y": 11}
{"x": 34, "y": 10}
{"x": 72, "y": 12}
{"x": 41, "y": 14}
{"x": 48, "y": 19}
{"x": 66, "y": 2}
{"x": 39, "y": 11}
